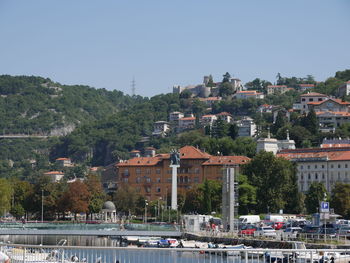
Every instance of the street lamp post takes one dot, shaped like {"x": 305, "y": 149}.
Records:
{"x": 42, "y": 206}
{"x": 146, "y": 204}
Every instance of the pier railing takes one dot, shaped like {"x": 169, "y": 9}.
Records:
{"x": 67, "y": 254}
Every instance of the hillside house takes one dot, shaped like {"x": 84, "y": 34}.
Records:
{"x": 161, "y": 128}
{"x": 187, "y": 123}
{"x": 246, "y": 127}
{"x": 225, "y": 116}
{"x": 344, "y": 89}
{"x": 54, "y": 176}
{"x": 246, "y": 94}
{"x": 276, "y": 89}
{"x": 208, "y": 120}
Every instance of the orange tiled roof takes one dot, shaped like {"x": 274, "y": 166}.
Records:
{"x": 224, "y": 113}
{"x": 332, "y": 153}
{"x": 339, "y": 101}
{"x": 141, "y": 161}
{"x": 187, "y": 118}
{"x": 226, "y": 160}
{"x": 307, "y": 85}
{"x": 190, "y": 152}
{"x": 313, "y": 94}
{"x": 53, "y": 172}
{"x": 62, "y": 159}
{"x": 208, "y": 116}
{"x": 334, "y": 113}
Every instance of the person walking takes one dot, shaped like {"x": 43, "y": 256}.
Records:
{"x": 4, "y": 258}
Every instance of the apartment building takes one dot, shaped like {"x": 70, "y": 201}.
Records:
{"x": 151, "y": 176}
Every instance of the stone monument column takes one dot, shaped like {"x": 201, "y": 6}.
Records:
{"x": 174, "y": 164}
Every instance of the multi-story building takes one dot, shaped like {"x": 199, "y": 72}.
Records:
{"x": 64, "y": 162}
{"x": 175, "y": 116}
{"x": 276, "y": 89}
{"x": 225, "y": 116}
{"x": 161, "y": 128}
{"x": 151, "y": 176}
{"x": 246, "y": 127}
{"x": 54, "y": 176}
{"x": 208, "y": 120}
{"x": 326, "y": 165}
{"x": 246, "y": 94}
{"x": 187, "y": 123}
{"x": 305, "y": 99}
{"x": 344, "y": 89}
{"x": 210, "y": 100}
{"x": 331, "y": 113}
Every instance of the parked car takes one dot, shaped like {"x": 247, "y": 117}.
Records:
{"x": 291, "y": 232}
{"x": 247, "y": 230}
{"x": 344, "y": 230}
{"x": 265, "y": 231}
{"x": 278, "y": 225}
{"x": 310, "y": 229}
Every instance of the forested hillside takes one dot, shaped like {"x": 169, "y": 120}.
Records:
{"x": 35, "y": 105}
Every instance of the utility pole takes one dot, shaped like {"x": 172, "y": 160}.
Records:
{"x": 42, "y": 206}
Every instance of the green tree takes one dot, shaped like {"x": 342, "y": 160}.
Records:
{"x": 219, "y": 129}
{"x": 5, "y": 196}
{"x": 211, "y": 81}
{"x": 247, "y": 195}
{"x": 281, "y": 121}
{"x": 275, "y": 181}
{"x": 226, "y": 77}
{"x": 226, "y": 89}
{"x": 340, "y": 199}
{"x": 128, "y": 200}
{"x": 310, "y": 122}
{"x": 233, "y": 131}
{"x": 314, "y": 196}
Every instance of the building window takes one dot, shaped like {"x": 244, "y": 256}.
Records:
{"x": 125, "y": 180}
{"x": 301, "y": 167}
{"x": 302, "y": 177}
{"x": 309, "y": 176}
{"x": 181, "y": 179}
{"x": 148, "y": 180}
{"x": 126, "y": 172}
{"x": 157, "y": 171}
{"x": 138, "y": 170}
{"x": 158, "y": 180}
{"x": 168, "y": 180}
{"x": 138, "y": 179}
{"x": 158, "y": 189}
{"x": 346, "y": 165}
{"x": 338, "y": 175}
{"x": 322, "y": 166}
{"x": 148, "y": 189}
{"x": 332, "y": 166}
{"x": 339, "y": 166}
{"x": 308, "y": 167}
{"x": 315, "y": 166}
{"x": 148, "y": 171}
{"x": 196, "y": 170}
{"x": 186, "y": 179}
{"x": 323, "y": 176}
{"x": 196, "y": 179}
{"x": 316, "y": 176}
{"x": 311, "y": 99}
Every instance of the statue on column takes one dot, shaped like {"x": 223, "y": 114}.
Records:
{"x": 174, "y": 157}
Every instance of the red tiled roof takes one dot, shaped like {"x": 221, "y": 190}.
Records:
{"x": 226, "y": 160}
{"x": 190, "y": 152}
{"x": 313, "y": 94}
{"x": 333, "y": 154}
{"x": 306, "y": 85}
{"x": 135, "y": 151}
{"x": 141, "y": 161}
{"x": 62, "y": 159}
{"x": 334, "y": 113}
{"x": 339, "y": 101}
{"x": 208, "y": 116}
{"x": 187, "y": 118}
{"x": 53, "y": 172}
{"x": 224, "y": 113}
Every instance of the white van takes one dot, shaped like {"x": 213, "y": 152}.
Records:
{"x": 274, "y": 218}
{"x": 249, "y": 219}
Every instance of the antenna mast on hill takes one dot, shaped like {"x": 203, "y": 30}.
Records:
{"x": 133, "y": 86}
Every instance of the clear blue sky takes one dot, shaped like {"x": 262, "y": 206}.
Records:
{"x": 162, "y": 43}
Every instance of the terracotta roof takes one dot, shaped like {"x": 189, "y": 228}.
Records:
{"x": 135, "y": 151}
{"x": 332, "y": 153}
{"x": 313, "y": 94}
{"x": 186, "y": 152}
{"x": 339, "y": 101}
{"x": 63, "y": 159}
{"x": 277, "y": 86}
{"x": 224, "y": 113}
{"x": 334, "y": 113}
{"x": 187, "y": 118}
{"x": 307, "y": 85}
{"x": 141, "y": 161}
{"x": 331, "y": 145}
{"x": 227, "y": 160}
{"x": 53, "y": 172}
{"x": 190, "y": 152}
{"x": 208, "y": 116}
